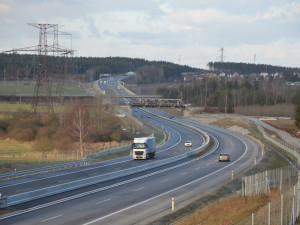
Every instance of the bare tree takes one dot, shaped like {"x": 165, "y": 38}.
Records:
{"x": 80, "y": 124}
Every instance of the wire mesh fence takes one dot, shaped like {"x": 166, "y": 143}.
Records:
{"x": 263, "y": 182}
{"x": 284, "y": 210}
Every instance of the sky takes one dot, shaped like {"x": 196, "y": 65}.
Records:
{"x": 187, "y": 32}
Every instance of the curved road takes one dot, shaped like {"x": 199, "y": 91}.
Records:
{"x": 133, "y": 199}
{"x": 139, "y": 198}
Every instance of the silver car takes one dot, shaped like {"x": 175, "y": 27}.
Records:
{"x": 188, "y": 144}
{"x": 224, "y": 157}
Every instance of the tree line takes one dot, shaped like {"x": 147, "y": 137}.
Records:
{"x": 92, "y": 67}
{"x": 226, "y": 94}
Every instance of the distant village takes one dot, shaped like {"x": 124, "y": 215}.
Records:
{"x": 189, "y": 77}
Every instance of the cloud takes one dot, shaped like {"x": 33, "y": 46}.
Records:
{"x": 162, "y": 29}
{"x": 4, "y": 8}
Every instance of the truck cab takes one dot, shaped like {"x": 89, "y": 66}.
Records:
{"x": 143, "y": 148}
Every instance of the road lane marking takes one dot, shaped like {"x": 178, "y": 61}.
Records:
{"x": 172, "y": 190}
{"x": 52, "y": 218}
{"x": 61, "y": 181}
{"x": 139, "y": 189}
{"x": 103, "y": 201}
{"x": 182, "y": 174}
{"x": 24, "y": 189}
{"x": 93, "y": 174}
{"x": 164, "y": 180}
{"x": 102, "y": 189}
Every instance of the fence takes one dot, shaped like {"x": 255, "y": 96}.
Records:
{"x": 284, "y": 145}
{"x": 284, "y": 209}
{"x": 263, "y": 182}
{"x": 281, "y": 211}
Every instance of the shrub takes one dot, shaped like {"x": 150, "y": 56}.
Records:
{"x": 116, "y": 136}
{"x": 46, "y": 132}
{"x": 43, "y": 144}
{"x": 2, "y": 133}
{"x": 4, "y": 125}
{"x": 22, "y": 134}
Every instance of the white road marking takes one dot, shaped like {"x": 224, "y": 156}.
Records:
{"x": 167, "y": 192}
{"x": 164, "y": 180}
{"x": 139, "y": 189}
{"x": 62, "y": 181}
{"x": 23, "y": 189}
{"x": 54, "y": 217}
{"x": 103, "y": 201}
{"x": 182, "y": 174}
{"x": 198, "y": 167}
{"x": 93, "y": 174}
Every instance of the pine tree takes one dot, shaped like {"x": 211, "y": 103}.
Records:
{"x": 297, "y": 114}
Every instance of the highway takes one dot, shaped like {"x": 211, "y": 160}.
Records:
{"x": 141, "y": 197}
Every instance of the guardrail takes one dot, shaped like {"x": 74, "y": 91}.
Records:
{"x": 44, "y": 169}
{"x": 121, "y": 149}
{"x": 60, "y": 188}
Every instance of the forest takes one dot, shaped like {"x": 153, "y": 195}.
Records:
{"x": 226, "y": 94}
{"x": 92, "y": 67}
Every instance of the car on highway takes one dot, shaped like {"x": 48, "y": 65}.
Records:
{"x": 148, "y": 116}
{"x": 187, "y": 144}
{"x": 224, "y": 157}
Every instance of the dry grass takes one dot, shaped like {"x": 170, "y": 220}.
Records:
{"x": 11, "y": 146}
{"x": 287, "y": 125}
{"x": 230, "y": 210}
{"x": 266, "y": 110}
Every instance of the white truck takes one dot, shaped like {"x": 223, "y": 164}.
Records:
{"x": 143, "y": 148}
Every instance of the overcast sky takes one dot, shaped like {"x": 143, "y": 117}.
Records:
{"x": 189, "y": 32}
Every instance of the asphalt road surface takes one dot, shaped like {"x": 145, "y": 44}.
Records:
{"x": 139, "y": 198}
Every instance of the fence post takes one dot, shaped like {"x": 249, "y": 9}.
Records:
{"x": 280, "y": 183}
{"x": 293, "y": 211}
{"x": 253, "y": 218}
{"x": 281, "y": 209}
{"x": 243, "y": 194}
{"x": 269, "y": 214}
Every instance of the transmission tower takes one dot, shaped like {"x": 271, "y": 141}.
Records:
{"x": 44, "y": 75}
{"x": 222, "y": 54}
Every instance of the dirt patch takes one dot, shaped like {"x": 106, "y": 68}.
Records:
{"x": 203, "y": 119}
{"x": 287, "y": 125}
{"x": 239, "y": 130}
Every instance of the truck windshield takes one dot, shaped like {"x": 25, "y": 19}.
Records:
{"x": 139, "y": 145}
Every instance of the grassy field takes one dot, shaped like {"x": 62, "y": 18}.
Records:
{"x": 27, "y": 87}
{"x": 14, "y": 147}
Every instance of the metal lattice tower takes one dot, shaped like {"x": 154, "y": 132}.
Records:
{"x": 42, "y": 85}
{"x": 222, "y": 55}
{"x": 45, "y": 75}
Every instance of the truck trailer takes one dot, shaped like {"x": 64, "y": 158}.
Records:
{"x": 143, "y": 148}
